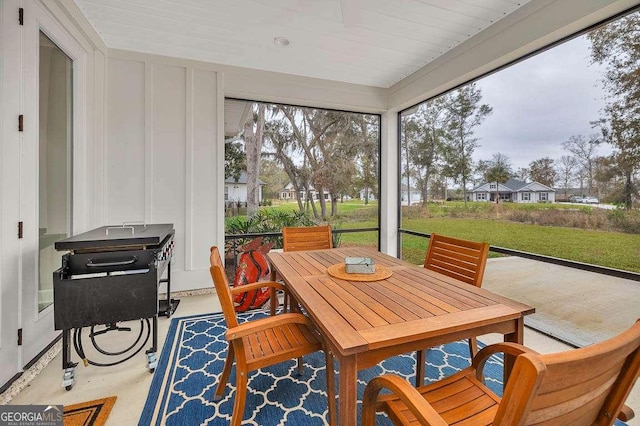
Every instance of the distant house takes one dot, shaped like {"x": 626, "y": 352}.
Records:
{"x": 288, "y": 193}
{"x": 237, "y": 191}
{"x": 516, "y": 191}
{"x": 363, "y": 194}
{"x": 416, "y": 196}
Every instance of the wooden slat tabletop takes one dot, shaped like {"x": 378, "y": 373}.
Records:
{"x": 413, "y": 304}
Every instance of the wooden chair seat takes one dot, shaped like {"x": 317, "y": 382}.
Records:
{"x": 461, "y": 399}
{"x": 287, "y": 337}
{"x": 580, "y": 387}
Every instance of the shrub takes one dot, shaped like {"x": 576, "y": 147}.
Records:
{"x": 263, "y": 222}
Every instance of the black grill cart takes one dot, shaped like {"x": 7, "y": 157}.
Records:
{"x": 110, "y": 275}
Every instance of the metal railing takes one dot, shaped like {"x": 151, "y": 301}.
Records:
{"x": 231, "y": 240}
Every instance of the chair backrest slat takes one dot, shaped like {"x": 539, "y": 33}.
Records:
{"x": 307, "y": 238}
{"x": 461, "y": 259}
{"x": 586, "y": 386}
{"x": 222, "y": 287}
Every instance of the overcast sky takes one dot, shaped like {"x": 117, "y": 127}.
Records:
{"x": 539, "y": 103}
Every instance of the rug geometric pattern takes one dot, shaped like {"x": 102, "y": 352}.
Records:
{"x": 193, "y": 355}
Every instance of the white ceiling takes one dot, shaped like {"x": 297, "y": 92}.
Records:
{"x": 370, "y": 42}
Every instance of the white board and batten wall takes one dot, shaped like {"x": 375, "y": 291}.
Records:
{"x": 163, "y": 156}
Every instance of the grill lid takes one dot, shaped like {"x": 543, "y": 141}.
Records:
{"x": 113, "y": 237}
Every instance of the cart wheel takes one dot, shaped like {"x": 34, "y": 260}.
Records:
{"x": 152, "y": 361}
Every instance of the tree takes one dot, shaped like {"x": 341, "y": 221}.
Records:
{"x": 324, "y": 139}
{"x": 626, "y": 139}
{"x": 616, "y": 45}
{"x": 464, "y": 113}
{"x": 234, "y": 160}
{"x": 274, "y": 177}
{"x": 566, "y": 170}
{"x": 481, "y": 172}
{"x": 542, "y": 171}
{"x": 605, "y": 172}
{"x": 522, "y": 174}
{"x": 253, "y": 138}
{"x": 425, "y": 132}
{"x": 280, "y": 136}
{"x": 368, "y": 154}
{"x": 585, "y": 152}
{"x": 498, "y": 171}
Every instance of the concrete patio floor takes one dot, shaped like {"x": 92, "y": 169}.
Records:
{"x": 578, "y": 306}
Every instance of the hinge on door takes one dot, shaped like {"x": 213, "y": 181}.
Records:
{"x": 20, "y": 229}
{"x": 21, "y": 16}
{"x": 19, "y": 337}
{"x": 21, "y": 123}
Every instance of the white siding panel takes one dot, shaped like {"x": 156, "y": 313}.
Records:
{"x": 125, "y": 141}
{"x": 167, "y": 146}
{"x": 204, "y": 190}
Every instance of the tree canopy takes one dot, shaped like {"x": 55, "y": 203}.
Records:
{"x": 617, "y": 46}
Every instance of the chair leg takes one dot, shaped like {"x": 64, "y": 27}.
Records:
{"x": 226, "y": 371}
{"x": 300, "y": 366}
{"x": 273, "y": 301}
{"x": 421, "y": 364}
{"x": 473, "y": 347}
{"x": 241, "y": 397}
{"x": 331, "y": 386}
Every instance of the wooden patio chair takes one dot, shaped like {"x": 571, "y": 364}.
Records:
{"x": 461, "y": 259}
{"x": 263, "y": 342}
{"x": 307, "y": 238}
{"x": 586, "y": 386}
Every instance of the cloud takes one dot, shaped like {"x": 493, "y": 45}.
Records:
{"x": 539, "y": 103}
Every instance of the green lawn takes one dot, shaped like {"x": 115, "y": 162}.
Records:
{"x": 610, "y": 249}
{"x": 345, "y": 209}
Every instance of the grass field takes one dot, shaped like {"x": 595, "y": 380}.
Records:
{"x": 477, "y": 222}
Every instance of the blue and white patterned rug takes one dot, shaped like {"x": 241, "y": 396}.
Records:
{"x": 193, "y": 356}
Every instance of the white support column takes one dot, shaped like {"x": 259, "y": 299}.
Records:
{"x": 389, "y": 183}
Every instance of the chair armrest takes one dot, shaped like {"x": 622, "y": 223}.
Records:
{"x": 262, "y": 324}
{"x": 485, "y": 353}
{"x": 255, "y": 286}
{"x": 626, "y": 413}
{"x": 420, "y": 408}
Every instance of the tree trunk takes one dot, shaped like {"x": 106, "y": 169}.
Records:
{"x": 628, "y": 190}
{"x": 298, "y": 200}
{"x": 323, "y": 204}
{"x": 334, "y": 206}
{"x": 464, "y": 191}
{"x": 253, "y": 148}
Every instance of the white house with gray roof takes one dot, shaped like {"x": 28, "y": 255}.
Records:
{"x": 515, "y": 191}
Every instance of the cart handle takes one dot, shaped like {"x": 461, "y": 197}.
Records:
{"x": 91, "y": 264}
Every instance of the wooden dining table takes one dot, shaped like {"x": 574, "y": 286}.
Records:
{"x": 413, "y": 309}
